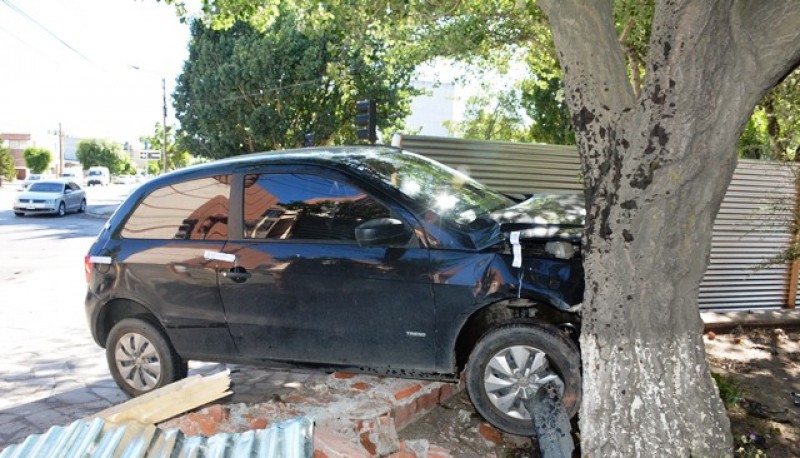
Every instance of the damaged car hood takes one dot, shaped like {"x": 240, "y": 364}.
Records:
{"x": 545, "y": 217}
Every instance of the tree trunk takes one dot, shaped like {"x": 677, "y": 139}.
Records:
{"x": 656, "y": 168}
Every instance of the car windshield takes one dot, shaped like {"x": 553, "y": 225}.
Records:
{"x": 95, "y": 172}
{"x": 433, "y": 186}
{"x": 46, "y": 187}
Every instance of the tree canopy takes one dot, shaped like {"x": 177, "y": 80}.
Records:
{"x": 37, "y": 159}
{"x": 177, "y": 157}
{"x": 103, "y": 153}
{"x": 246, "y": 89}
{"x": 7, "y": 170}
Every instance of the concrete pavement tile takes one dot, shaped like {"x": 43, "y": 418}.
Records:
{"x": 6, "y": 417}
{"x": 78, "y": 396}
{"x": 10, "y": 428}
{"x": 112, "y": 395}
{"x": 46, "y": 419}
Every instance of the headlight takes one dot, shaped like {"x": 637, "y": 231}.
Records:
{"x": 561, "y": 250}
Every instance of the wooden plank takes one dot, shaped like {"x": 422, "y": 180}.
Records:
{"x": 171, "y": 400}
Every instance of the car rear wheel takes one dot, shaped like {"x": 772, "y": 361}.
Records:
{"x": 62, "y": 209}
{"x": 140, "y": 357}
{"x": 511, "y": 363}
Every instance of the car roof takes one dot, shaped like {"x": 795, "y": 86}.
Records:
{"x": 333, "y": 156}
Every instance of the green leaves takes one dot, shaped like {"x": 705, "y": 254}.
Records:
{"x": 245, "y": 90}
{"x": 7, "y": 170}
{"x": 103, "y": 153}
{"x": 37, "y": 159}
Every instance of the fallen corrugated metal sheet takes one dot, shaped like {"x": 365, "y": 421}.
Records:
{"x": 98, "y": 439}
{"x": 753, "y": 225}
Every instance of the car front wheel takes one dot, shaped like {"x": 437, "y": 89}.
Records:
{"x": 62, "y": 209}
{"x": 511, "y": 363}
{"x": 82, "y": 208}
{"x": 140, "y": 357}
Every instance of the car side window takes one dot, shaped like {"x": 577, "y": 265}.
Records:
{"x": 190, "y": 210}
{"x": 301, "y": 206}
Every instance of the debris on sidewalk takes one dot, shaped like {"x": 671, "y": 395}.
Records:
{"x": 97, "y": 438}
{"x": 171, "y": 400}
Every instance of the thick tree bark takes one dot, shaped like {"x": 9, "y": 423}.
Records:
{"x": 656, "y": 169}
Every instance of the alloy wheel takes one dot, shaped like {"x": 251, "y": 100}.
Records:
{"x": 516, "y": 374}
{"x": 138, "y": 361}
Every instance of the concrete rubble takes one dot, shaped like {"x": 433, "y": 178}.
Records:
{"x": 354, "y": 415}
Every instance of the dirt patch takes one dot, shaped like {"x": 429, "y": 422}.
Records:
{"x": 761, "y": 365}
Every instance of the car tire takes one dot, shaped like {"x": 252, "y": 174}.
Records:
{"x": 62, "y": 209}
{"x": 140, "y": 357}
{"x": 19, "y": 214}
{"x": 502, "y": 358}
{"x": 82, "y": 208}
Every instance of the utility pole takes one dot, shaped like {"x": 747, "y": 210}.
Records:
{"x": 60, "y": 150}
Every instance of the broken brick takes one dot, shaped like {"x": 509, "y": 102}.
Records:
{"x": 490, "y": 434}
{"x": 343, "y": 375}
{"x": 407, "y": 391}
{"x": 361, "y": 386}
{"x": 328, "y": 444}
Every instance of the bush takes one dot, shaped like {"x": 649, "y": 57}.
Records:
{"x": 728, "y": 390}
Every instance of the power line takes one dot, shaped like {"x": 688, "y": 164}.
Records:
{"x": 28, "y": 17}
{"x": 28, "y": 45}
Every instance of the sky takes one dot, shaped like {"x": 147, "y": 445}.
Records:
{"x": 69, "y": 62}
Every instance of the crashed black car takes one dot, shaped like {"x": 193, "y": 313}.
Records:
{"x": 367, "y": 259}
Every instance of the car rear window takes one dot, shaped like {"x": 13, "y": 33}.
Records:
{"x": 190, "y": 210}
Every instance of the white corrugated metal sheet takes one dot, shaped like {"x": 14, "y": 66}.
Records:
{"x": 98, "y": 439}
{"x": 752, "y": 227}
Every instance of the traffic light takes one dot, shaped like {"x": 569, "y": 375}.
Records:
{"x": 366, "y": 120}
{"x": 309, "y": 139}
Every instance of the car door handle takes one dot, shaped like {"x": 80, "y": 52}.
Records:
{"x": 237, "y": 274}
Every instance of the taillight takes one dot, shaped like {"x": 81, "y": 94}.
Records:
{"x": 87, "y": 267}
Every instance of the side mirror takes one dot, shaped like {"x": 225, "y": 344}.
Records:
{"x": 383, "y": 232}
{"x": 67, "y": 191}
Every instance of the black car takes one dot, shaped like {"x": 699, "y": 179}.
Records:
{"x": 367, "y": 259}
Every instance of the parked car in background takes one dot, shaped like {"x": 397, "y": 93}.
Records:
{"x": 124, "y": 179}
{"x": 32, "y": 178}
{"x": 51, "y": 196}
{"x": 367, "y": 259}
{"x": 98, "y": 176}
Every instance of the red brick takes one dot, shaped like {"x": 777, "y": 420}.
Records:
{"x": 407, "y": 391}
{"x": 361, "y": 386}
{"x": 378, "y": 436}
{"x": 490, "y": 434}
{"x": 331, "y": 445}
{"x": 343, "y": 375}
{"x": 404, "y": 454}
{"x": 207, "y": 425}
{"x": 216, "y": 412}
{"x": 258, "y": 423}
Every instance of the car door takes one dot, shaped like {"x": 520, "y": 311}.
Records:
{"x": 72, "y": 196}
{"x": 162, "y": 253}
{"x": 303, "y": 290}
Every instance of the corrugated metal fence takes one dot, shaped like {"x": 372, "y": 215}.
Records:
{"x": 752, "y": 228}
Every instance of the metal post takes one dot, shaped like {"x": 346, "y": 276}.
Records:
{"x": 164, "y": 125}
{"x": 794, "y": 271}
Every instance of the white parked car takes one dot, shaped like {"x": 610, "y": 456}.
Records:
{"x": 51, "y": 196}
{"x": 32, "y": 178}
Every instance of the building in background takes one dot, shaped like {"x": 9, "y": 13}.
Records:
{"x": 18, "y": 143}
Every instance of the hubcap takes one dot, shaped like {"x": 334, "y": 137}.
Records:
{"x": 138, "y": 361}
{"x": 515, "y": 374}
